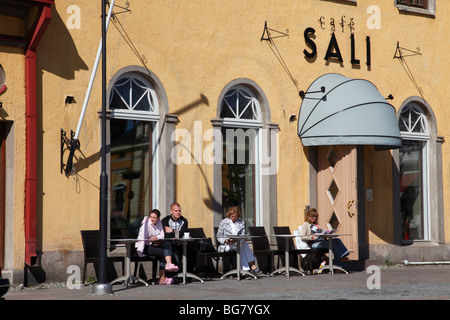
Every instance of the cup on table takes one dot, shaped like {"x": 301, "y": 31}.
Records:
{"x": 177, "y": 234}
{"x": 187, "y": 235}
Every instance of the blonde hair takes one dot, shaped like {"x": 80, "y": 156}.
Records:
{"x": 234, "y": 209}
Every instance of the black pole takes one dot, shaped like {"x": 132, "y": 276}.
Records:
{"x": 102, "y": 286}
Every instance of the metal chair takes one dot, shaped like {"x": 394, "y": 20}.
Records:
{"x": 210, "y": 255}
{"x": 281, "y": 245}
{"x": 90, "y": 239}
{"x": 127, "y": 234}
{"x": 261, "y": 249}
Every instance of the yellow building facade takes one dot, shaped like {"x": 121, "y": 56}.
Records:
{"x": 180, "y": 76}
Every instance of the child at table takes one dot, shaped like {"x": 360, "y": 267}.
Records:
{"x": 151, "y": 234}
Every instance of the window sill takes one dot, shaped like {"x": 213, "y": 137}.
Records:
{"x": 418, "y": 243}
{"x": 425, "y": 12}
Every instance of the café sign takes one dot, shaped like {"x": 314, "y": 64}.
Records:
{"x": 333, "y": 52}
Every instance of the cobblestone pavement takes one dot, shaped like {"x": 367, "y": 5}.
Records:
{"x": 382, "y": 283}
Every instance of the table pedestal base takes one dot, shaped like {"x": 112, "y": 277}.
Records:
{"x": 188, "y": 274}
{"x": 287, "y": 270}
{"x": 129, "y": 279}
{"x": 236, "y": 272}
{"x": 333, "y": 268}
{"x": 330, "y": 265}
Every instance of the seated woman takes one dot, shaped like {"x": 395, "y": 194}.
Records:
{"x": 234, "y": 225}
{"x": 153, "y": 232}
{"x": 310, "y": 227}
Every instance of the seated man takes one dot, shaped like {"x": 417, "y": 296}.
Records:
{"x": 176, "y": 222}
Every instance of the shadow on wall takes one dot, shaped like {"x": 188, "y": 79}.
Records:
{"x": 57, "y": 52}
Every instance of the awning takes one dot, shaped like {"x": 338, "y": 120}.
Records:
{"x": 337, "y": 110}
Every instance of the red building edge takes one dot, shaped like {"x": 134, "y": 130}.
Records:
{"x": 42, "y": 21}
{"x": 30, "y": 43}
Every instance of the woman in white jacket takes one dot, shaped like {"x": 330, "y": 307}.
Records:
{"x": 234, "y": 225}
{"x": 153, "y": 232}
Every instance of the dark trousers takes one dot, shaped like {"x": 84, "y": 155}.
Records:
{"x": 162, "y": 250}
{"x": 177, "y": 256}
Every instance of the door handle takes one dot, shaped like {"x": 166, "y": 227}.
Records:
{"x": 349, "y": 204}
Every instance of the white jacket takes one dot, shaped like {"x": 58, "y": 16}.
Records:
{"x": 148, "y": 230}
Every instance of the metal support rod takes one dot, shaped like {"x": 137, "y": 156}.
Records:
{"x": 423, "y": 263}
{"x": 74, "y": 141}
{"x": 102, "y": 287}
{"x": 94, "y": 72}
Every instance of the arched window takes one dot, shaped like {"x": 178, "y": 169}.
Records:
{"x": 241, "y": 122}
{"x": 239, "y": 103}
{"x": 133, "y": 96}
{"x": 414, "y": 172}
{"x": 133, "y": 156}
{"x": 247, "y": 143}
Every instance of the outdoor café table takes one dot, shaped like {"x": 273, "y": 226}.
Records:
{"x": 184, "y": 273}
{"x": 238, "y": 269}
{"x": 286, "y": 268}
{"x": 127, "y": 277}
{"x": 330, "y": 265}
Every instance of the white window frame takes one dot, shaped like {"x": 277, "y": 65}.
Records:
{"x": 130, "y": 114}
{"x": 431, "y": 10}
{"x": 149, "y": 116}
{"x": 255, "y": 124}
{"x": 424, "y": 137}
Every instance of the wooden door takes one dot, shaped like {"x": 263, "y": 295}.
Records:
{"x": 337, "y": 193}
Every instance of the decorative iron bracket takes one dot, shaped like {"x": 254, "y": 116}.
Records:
{"x": 269, "y": 37}
{"x": 399, "y": 52}
{"x": 71, "y": 145}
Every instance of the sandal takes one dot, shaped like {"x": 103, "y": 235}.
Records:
{"x": 256, "y": 271}
{"x": 171, "y": 268}
{"x": 168, "y": 281}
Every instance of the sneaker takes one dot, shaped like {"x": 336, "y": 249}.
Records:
{"x": 171, "y": 268}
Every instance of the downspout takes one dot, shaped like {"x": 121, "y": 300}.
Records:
{"x": 31, "y": 178}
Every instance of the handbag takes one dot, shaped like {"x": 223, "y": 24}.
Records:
{"x": 206, "y": 245}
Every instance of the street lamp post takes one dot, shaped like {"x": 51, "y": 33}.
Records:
{"x": 102, "y": 287}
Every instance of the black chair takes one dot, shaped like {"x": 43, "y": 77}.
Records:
{"x": 261, "y": 249}
{"x": 208, "y": 256}
{"x": 90, "y": 239}
{"x": 295, "y": 253}
{"x": 127, "y": 234}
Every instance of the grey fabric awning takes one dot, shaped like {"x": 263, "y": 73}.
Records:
{"x": 348, "y": 112}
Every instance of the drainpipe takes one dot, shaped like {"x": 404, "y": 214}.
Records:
{"x": 42, "y": 21}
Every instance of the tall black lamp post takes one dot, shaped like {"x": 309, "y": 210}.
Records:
{"x": 102, "y": 287}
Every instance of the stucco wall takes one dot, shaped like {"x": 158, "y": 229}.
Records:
{"x": 196, "y": 48}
